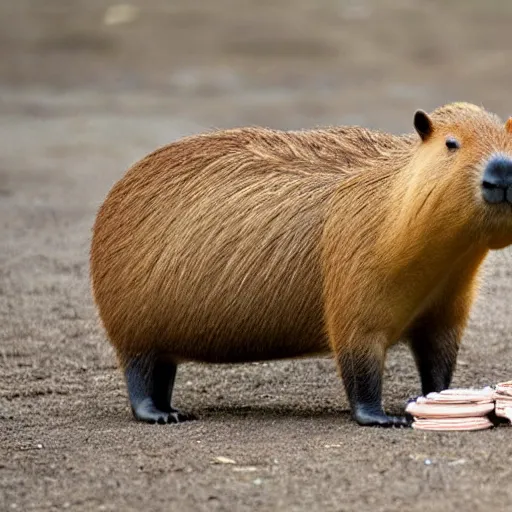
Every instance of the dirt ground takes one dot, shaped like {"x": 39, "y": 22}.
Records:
{"x": 80, "y": 100}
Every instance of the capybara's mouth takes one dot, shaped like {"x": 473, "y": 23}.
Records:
{"x": 501, "y": 209}
{"x": 494, "y": 194}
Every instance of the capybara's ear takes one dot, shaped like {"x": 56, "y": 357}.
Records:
{"x": 508, "y": 125}
{"x": 423, "y": 124}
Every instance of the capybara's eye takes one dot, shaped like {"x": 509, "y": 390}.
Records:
{"x": 452, "y": 143}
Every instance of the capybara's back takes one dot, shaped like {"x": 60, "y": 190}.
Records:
{"x": 209, "y": 249}
{"x": 254, "y": 244}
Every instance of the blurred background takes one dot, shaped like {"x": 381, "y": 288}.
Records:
{"x": 286, "y": 63}
{"x": 87, "y": 87}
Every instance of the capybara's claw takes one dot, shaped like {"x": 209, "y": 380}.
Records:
{"x": 402, "y": 421}
{"x": 147, "y": 411}
{"x": 179, "y": 417}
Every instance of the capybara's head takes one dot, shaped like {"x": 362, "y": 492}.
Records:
{"x": 465, "y": 153}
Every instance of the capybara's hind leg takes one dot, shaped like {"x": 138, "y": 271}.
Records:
{"x": 150, "y": 382}
{"x": 362, "y": 370}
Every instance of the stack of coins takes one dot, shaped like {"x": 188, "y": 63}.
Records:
{"x": 503, "y": 399}
{"x": 454, "y": 409}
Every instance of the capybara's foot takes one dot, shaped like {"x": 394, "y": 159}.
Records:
{"x": 150, "y": 380}
{"x": 362, "y": 376}
{"x": 380, "y": 419}
{"x": 147, "y": 411}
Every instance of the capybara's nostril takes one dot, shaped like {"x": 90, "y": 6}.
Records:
{"x": 497, "y": 180}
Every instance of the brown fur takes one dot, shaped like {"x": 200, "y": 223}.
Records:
{"x": 252, "y": 244}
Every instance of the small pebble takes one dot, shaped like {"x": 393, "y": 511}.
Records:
{"x": 245, "y": 469}
{"x": 457, "y": 462}
{"x": 224, "y": 460}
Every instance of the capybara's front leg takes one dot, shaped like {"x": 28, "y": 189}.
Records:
{"x": 362, "y": 369}
{"x": 435, "y": 347}
{"x": 436, "y": 335}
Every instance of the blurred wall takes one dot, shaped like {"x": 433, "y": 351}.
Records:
{"x": 286, "y": 63}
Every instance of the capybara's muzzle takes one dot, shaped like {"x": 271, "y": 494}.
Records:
{"x": 497, "y": 180}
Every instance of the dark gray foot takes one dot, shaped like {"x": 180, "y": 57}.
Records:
{"x": 150, "y": 381}
{"x": 147, "y": 411}
{"x": 380, "y": 419}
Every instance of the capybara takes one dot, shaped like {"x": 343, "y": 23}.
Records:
{"x": 254, "y": 244}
